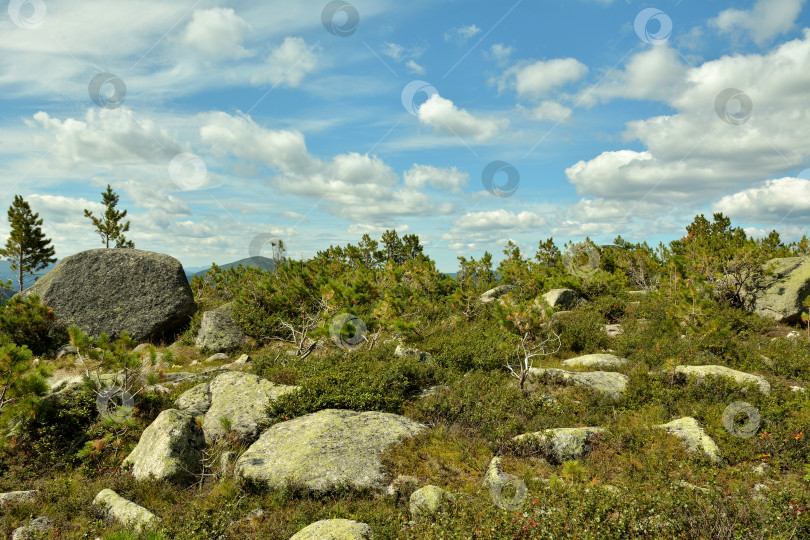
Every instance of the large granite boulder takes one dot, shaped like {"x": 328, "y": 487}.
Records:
{"x": 115, "y": 290}
{"x": 334, "y": 529}
{"x": 784, "y": 291}
{"x": 239, "y": 399}
{"x": 169, "y": 449}
{"x": 327, "y": 450}
{"x": 219, "y": 331}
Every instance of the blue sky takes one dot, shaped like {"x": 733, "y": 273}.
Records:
{"x": 220, "y": 122}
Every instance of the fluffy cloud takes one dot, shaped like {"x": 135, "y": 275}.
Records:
{"x": 106, "y": 136}
{"x": 289, "y": 63}
{"x": 778, "y": 200}
{"x": 461, "y": 34}
{"x": 217, "y": 32}
{"x": 551, "y": 111}
{"x": 500, "y": 220}
{"x": 398, "y": 53}
{"x": 414, "y": 68}
{"x": 451, "y": 179}
{"x": 499, "y": 52}
{"x": 447, "y": 119}
{"x": 694, "y": 156}
{"x": 764, "y": 21}
{"x": 656, "y": 74}
{"x": 538, "y": 79}
{"x": 352, "y": 185}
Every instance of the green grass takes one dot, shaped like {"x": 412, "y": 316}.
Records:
{"x": 470, "y": 422}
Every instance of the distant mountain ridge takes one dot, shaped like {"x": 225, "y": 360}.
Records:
{"x": 265, "y": 263}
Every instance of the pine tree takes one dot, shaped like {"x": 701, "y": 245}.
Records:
{"x": 27, "y": 247}
{"x": 109, "y": 226}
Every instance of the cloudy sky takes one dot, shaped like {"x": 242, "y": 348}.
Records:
{"x": 468, "y": 123}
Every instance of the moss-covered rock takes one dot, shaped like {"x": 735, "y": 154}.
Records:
{"x": 334, "y": 529}
{"x": 326, "y": 450}
{"x": 596, "y": 361}
{"x": 242, "y": 399}
{"x": 563, "y": 298}
{"x": 784, "y": 291}
{"x": 428, "y": 501}
{"x": 700, "y": 373}
{"x": 169, "y": 449}
{"x": 113, "y": 290}
{"x": 219, "y": 332}
{"x": 607, "y": 382}
{"x": 561, "y": 444}
{"x": 689, "y": 431}
{"x": 196, "y": 400}
{"x": 125, "y": 512}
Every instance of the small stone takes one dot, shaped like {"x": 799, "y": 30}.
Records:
{"x": 35, "y": 529}
{"x": 760, "y": 469}
{"x": 428, "y": 501}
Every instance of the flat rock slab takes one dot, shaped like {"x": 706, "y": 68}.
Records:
{"x": 125, "y": 512}
{"x": 334, "y": 529}
{"x": 326, "y": 450}
{"x": 17, "y": 496}
{"x": 689, "y": 431}
{"x": 115, "y": 290}
{"x": 169, "y": 449}
{"x": 607, "y": 382}
{"x": 37, "y": 528}
{"x": 561, "y": 444}
{"x": 241, "y": 398}
{"x": 721, "y": 371}
{"x": 596, "y": 361}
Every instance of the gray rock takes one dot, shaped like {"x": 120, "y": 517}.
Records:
{"x": 218, "y": 357}
{"x": 494, "y": 472}
{"x": 334, "y": 529}
{"x": 598, "y": 361}
{"x": 169, "y": 449}
{"x": 196, "y": 400}
{"x": 219, "y": 332}
{"x": 607, "y": 382}
{"x": 783, "y": 292}
{"x": 613, "y": 330}
{"x": 326, "y": 450}
{"x": 113, "y": 290}
{"x": 35, "y": 529}
{"x": 428, "y": 501}
{"x": 241, "y": 398}
{"x": 16, "y": 496}
{"x": 125, "y": 512}
{"x": 700, "y": 373}
{"x": 561, "y": 444}
{"x": 492, "y": 294}
{"x": 402, "y": 487}
{"x": 689, "y": 431}
{"x": 66, "y": 350}
{"x": 563, "y": 298}
{"x": 427, "y": 392}
{"x": 411, "y": 352}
